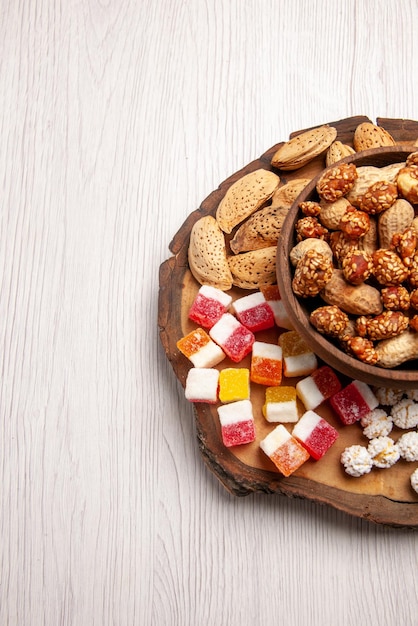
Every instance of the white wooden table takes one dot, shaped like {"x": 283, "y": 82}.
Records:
{"x": 117, "y": 119}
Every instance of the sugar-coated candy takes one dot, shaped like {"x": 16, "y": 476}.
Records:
{"x": 237, "y": 423}
{"x": 199, "y": 348}
{"x": 273, "y": 298}
{"x": 353, "y": 402}
{"x": 284, "y": 450}
{"x": 266, "y": 363}
{"x": 318, "y": 387}
{"x": 315, "y": 434}
{"x": 298, "y": 358}
{"x": 233, "y": 337}
{"x": 281, "y": 404}
{"x": 202, "y": 385}
{"x": 209, "y": 305}
{"x": 254, "y": 312}
{"x": 234, "y": 384}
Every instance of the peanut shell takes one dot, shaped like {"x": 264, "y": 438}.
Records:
{"x": 397, "y": 350}
{"x": 395, "y": 219}
{"x": 355, "y": 299}
{"x": 332, "y": 212}
{"x": 367, "y": 175}
{"x": 311, "y": 243}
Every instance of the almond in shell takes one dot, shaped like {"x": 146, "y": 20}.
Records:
{"x": 244, "y": 197}
{"x": 261, "y": 230}
{"x": 285, "y": 195}
{"x": 207, "y": 254}
{"x": 302, "y": 148}
{"x": 251, "y": 270}
{"x": 368, "y": 135}
{"x": 337, "y": 151}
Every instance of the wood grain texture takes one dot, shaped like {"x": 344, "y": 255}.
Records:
{"x": 116, "y": 120}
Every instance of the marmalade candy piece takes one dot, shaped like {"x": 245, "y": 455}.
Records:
{"x": 237, "y": 423}
{"x": 298, "y": 358}
{"x": 202, "y": 385}
{"x": 209, "y": 305}
{"x": 318, "y": 387}
{"x": 280, "y": 405}
{"x": 234, "y": 384}
{"x": 284, "y": 450}
{"x": 273, "y": 298}
{"x": 254, "y": 312}
{"x": 234, "y": 338}
{"x": 198, "y": 347}
{"x": 353, "y": 402}
{"x": 315, "y": 434}
{"x": 266, "y": 364}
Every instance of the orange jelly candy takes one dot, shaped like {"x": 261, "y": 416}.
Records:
{"x": 266, "y": 364}
{"x": 284, "y": 450}
{"x": 191, "y": 343}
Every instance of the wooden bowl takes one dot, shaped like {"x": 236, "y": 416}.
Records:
{"x": 402, "y": 377}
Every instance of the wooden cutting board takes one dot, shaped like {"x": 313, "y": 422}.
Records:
{"x": 384, "y": 495}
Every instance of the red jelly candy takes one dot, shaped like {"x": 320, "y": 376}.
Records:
{"x": 353, "y": 402}
{"x": 315, "y": 434}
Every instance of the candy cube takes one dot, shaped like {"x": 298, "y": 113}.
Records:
{"x": 353, "y": 402}
{"x": 234, "y": 338}
{"x": 237, "y": 423}
{"x": 199, "y": 348}
{"x": 298, "y": 358}
{"x": 266, "y": 363}
{"x": 318, "y": 387}
{"x": 284, "y": 450}
{"x": 234, "y": 384}
{"x": 209, "y": 306}
{"x": 202, "y": 385}
{"x": 273, "y": 298}
{"x": 315, "y": 434}
{"x": 280, "y": 404}
{"x": 254, "y": 312}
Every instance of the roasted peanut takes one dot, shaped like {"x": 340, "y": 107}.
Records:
{"x": 388, "y": 268}
{"x": 336, "y": 182}
{"x": 362, "y": 348}
{"x": 379, "y": 197}
{"x": 354, "y": 223}
{"x": 407, "y": 182}
{"x": 387, "y": 324}
{"x": 357, "y": 266}
{"x": 312, "y": 273}
{"x": 310, "y": 227}
{"x": 396, "y": 298}
{"x": 330, "y": 320}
